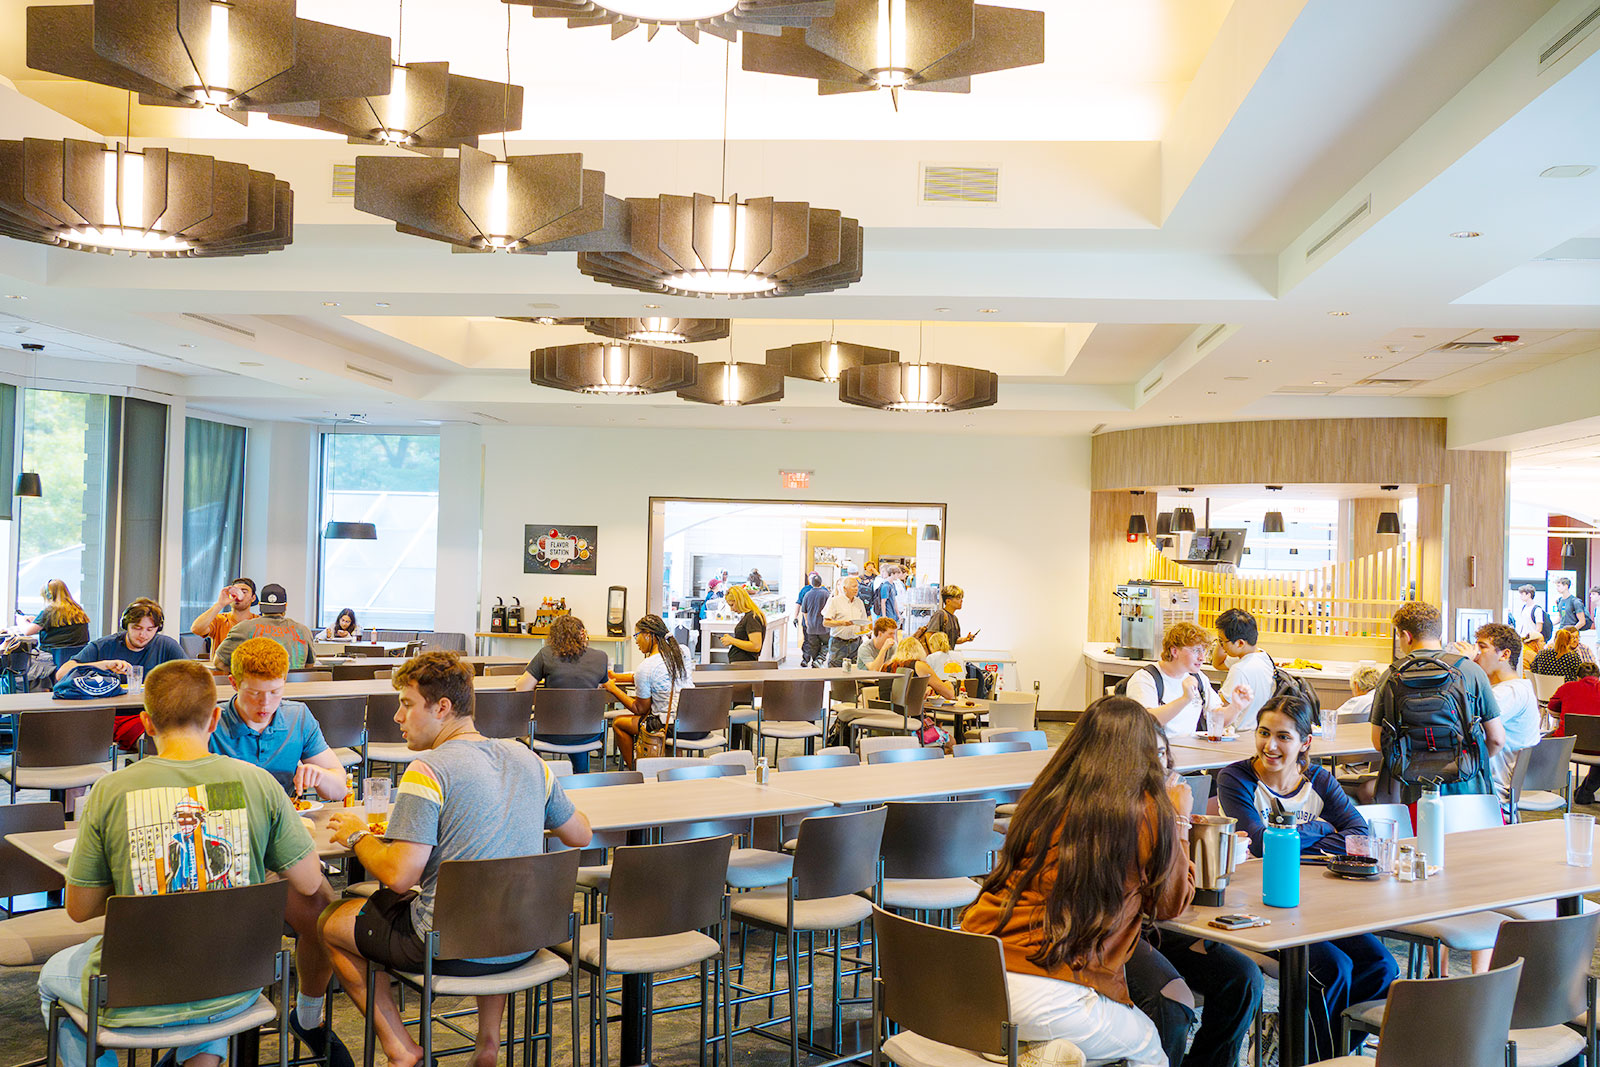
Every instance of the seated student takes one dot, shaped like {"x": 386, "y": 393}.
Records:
{"x": 942, "y": 659}
{"x": 1363, "y": 683}
{"x": 1496, "y": 651}
{"x": 877, "y": 650}
{"x": 1581, "y": 696}
{"x": 279, "y": 736}
{"x": 237, "y": 807}
{"x": 1248, "y": 666}
{"x": 1560, "y": 657}
{"x": 140, "y": 643}
{"x": 62, "y": 622}
{"x": 910, "y": 655}
{"x": 343, "y": 628}
{"x": 465, "y": 796}
{"x": 1280, "y": 778}
{"x": 566, "y": 661}
{"x": 656, "y": 684}
{"x": 274, "y": 622}
{"x": 238, "y": 597}
{"x": 1175, "y": 691}
{"x": 1094, "y": 851}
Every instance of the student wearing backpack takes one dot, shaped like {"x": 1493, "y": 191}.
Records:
{"x": 1237, "y": 634}
{"x": 1528, "y": 618}
{"x": 1175, "y": 691}
{"x": 1432, "y": 694}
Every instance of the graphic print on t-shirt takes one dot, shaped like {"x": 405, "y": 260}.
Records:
{"x": 186, "y": 840}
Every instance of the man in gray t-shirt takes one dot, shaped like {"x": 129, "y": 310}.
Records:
{"x": 469, "y": 798}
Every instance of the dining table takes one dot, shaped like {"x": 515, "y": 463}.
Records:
{"x": 1474, "y": 879}
{"x": 1196, "y": 752}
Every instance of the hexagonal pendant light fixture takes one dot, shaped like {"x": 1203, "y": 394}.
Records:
{"x": 826, "y": 361}
{"x": 924, "y": 387}
{"x": 426, "y": 107}
{"x": 734, "y": 384}
{"x": 613, "y": 369}
{"x": 659, "y": 331}
{"x": 97, "y": 198}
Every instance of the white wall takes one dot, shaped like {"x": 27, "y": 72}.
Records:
{"x": 280, "y": 484}
{"x": 1017, "y": 536}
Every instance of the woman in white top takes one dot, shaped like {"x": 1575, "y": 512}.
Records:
{"x": 909, "y": 654}
{"x": 343, "y": 628}
{"x": 1363, "y": 684}
{"x": 1175, "y": 691}
{"x": 944, "y": 662}
{"x": 657, "y": 682}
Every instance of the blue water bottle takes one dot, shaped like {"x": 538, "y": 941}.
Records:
{"x": 1280, "y": 861}
{"x": 1430, "y": 825}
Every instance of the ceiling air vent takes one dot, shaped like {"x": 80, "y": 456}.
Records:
{"x": 1211, "y": 335}
{"x": 1361, "y": 211}
{"x": 219, "y": 324}
{"x": 374, "y": 375}
{"x": 1391, "y": 381}
{"x": 1470, "y": 346}
{"x": 958, "y": 184}
{"x": 1569, "y": 38}
{"x": 344, "y": 181}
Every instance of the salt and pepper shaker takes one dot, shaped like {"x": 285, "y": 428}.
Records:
{"x": 1404, "y": 869}
{"x": 1420, "y": 866}
{"x": 761, "y": 771}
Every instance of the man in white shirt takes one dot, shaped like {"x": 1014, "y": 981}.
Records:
{"x": 845, "y": 616}
{"x": 1527, "y": 617}
{"x": 1175, "y": 691}
{"x": 1249, "y": 666}
{"x": 1498, "y": 649}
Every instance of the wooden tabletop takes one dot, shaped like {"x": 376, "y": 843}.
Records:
{"x": 15, "y": 702}
{"x": 786, "y": 674}
{"x": 593, "y": 638}
{"x": 1198, "y": 754}
{"x": 923, "y": 779}
{"x": 1475, "y": 878}
{"x": 632, "y": 807}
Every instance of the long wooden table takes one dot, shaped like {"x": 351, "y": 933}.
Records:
{"x": 1475, "y": 878}
{"x": 1198, "y": 754}
{"x": 882, "y": 782}
{"x": 12, "y": 703}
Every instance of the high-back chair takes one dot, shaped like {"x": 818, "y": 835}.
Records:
{"x": 343, "y": 721}
{"x": 1011, "y": 709}
{"x": 503, "y": 670}
{"x": 665, "y": 903}
{"x": 904, "y": 755}
{"x": 931, "y": 850}
{"x": 60, "y": 749}
{"x": 1541, "y": 779}
{"x": 353, "y": 672}
{"x": 1034, "y": 739}
{"x": 1400, "y": 813}
{"x": 903, "y": 714}
{"x": 230, "y": 944}
{"x": 1464, "y": 1021}
{"x": 385, "y": 742}
{"x": 1545, "y": 685}
{"x": 310, "y": 674}
{"x": 922, "y": 971}
{"x": 835, "y": 860}
{"x": 1586, "y": 728}
{"x": 701, "y": 710}
{"x": 573, "y": 712}
{"x": 868, "y": 745}
{"x": 790, "y": 710}
{"x": 1556, "y": 987}
{"x": 748, "y": 868}
{"x": 595, "y": 874}
{"x": 652, "y": 766}
{"x": 507, "y": 714}
{"x": 30, "y": 939}
{"x": 516, "y": 906}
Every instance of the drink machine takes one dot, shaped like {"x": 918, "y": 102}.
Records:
{"x": 514, "y": 616}
{"x": 1147, "y": 608}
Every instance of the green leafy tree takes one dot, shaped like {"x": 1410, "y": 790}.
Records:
{"x": 55, "y": 442}
{"x": 382, "y": 461}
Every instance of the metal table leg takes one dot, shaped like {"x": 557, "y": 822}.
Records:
{"x": 1294, "y": 989}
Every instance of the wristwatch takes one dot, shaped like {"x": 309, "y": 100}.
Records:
{"x": 350, "y": 842}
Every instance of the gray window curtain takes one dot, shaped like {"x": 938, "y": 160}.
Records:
{"x": 8, "y": 448}
{"x": 139, "y": 434}
{"x": 213, "y": 513}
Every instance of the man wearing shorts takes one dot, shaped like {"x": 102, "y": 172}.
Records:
{"x": 469, "y": 798}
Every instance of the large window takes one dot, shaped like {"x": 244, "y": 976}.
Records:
{"x": 392, "y": 481}
{"x": 61, "y": 533}
{"x": 213, "y": 505}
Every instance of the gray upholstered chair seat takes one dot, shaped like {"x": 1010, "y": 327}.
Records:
{"x": 771, "y": 907}
{"x": 262, "y": 1011}
{"x": 544, "y": 966}
{"x": 642, "y": 955}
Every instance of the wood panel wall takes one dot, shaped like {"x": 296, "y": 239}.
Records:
{"x": 1112, "y": 560}
{"x": 1478, "y": 519}
{"x": 1364, "y": 537}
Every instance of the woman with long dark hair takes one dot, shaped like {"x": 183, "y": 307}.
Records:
{"x": 343, "y": 628}
{"x": 1094, "y": 850}
{"x": 567, "y": 662}
{"x": 657, "y": 681}
{"x": 1280, "y": 778}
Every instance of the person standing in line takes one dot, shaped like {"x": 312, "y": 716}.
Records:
{"x": 1570, "y": 613}
{"x": 1527, "y": 617}
{"x": 944, "y": 620}
{"x": 867, "y": 588}
{"x": 235, "y": 604}
{"x": 274, "y": 622}
{"x": 1497, "y": 651}
{"x": 846, "y": 618}
{"x": 465, "y": 797}
{"x": 750, "y": 632}
{"x": 1237, "y": 634}
{"x": 813, "y": 633}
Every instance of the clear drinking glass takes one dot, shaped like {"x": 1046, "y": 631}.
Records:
{"x": 135, "y": 679}
{"x": 1385, "y": 841}
{"x": 375, "y": 798}
{"x": 1580, "y": 839}
{"x": 1214, "y": 723}
{"x": 1357, "y": 845}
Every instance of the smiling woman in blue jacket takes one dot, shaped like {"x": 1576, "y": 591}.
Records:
{"x": 1280, "y": 778}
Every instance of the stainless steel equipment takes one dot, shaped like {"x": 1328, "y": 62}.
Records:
{"x": 1147, "y": 608}
{"x": 1215, "y": 851}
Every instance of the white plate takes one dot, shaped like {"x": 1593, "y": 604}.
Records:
{"x": 316, "y": 805}
{"x": 65, "y": 846}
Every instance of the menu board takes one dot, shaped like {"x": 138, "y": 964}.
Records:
{"x": 557, "y": 549}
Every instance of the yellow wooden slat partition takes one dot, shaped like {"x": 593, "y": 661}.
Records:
{"x": 1339, "y": 602}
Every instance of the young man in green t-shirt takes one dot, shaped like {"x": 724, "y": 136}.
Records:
{"x": 184, "y": 820}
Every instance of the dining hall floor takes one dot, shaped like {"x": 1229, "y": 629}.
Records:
{"x": 22, "y": 1029}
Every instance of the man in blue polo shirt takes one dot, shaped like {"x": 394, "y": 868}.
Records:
{"x": 279, "y": 736}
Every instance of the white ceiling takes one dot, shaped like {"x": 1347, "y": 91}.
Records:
{"x": 1163, "y": 174}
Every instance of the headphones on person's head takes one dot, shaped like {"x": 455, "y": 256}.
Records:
{"x": 141, "y": 607}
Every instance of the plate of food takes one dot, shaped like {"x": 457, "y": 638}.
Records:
{"x": 65, "y": 847}
{"x": 303, "y": 804}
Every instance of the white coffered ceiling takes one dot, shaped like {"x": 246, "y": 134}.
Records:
{"x": 1163, "y": 176}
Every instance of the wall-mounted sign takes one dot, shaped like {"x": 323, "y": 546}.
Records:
{"x": 795, "y": 479}
{"x": 559, "y": 549}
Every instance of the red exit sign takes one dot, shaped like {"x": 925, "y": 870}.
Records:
{"x": 795, "y": 479}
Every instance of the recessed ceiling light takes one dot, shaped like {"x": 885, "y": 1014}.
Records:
{"x": 302, "y": 379}
{"x": 15, "y": 296}
{"x": 381, "y": 304}
{"x": 1572, "y": 170}
{"x": 1211, "y": 392}
{"x": 1235, "y": 379}
{"x": 1263, "y": 361}
{"x": 941, "y": 310}
{"x": 1177, "y": 416}
{"x": 1374, "y": 357}
{"x": 248, "y": 363}
{"x": 1466, "y": 233}
{"x": 186, "y": 346}
{"x": 1339, "y": 314}
{"x": 1319, "y": 383}
{"x": 653, "y": 307}
{"x": 988, "y": 311}
{"x": 330, "y": 303}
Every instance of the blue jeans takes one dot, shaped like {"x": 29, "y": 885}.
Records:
{"x": 1348, "y": 970}
{"x": 580, "y": 760}
{"x": 61, "y": 979}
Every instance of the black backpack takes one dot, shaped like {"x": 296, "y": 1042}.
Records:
{"x": 1430, "y": 737}
{"x": 1292, "y": 685}
{"x": 868, "y": 592}
{"x": 1546, "y": 628}
{"x": 1154, "y": 670}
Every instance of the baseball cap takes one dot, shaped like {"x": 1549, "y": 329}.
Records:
{"x": 274, "y": 600}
